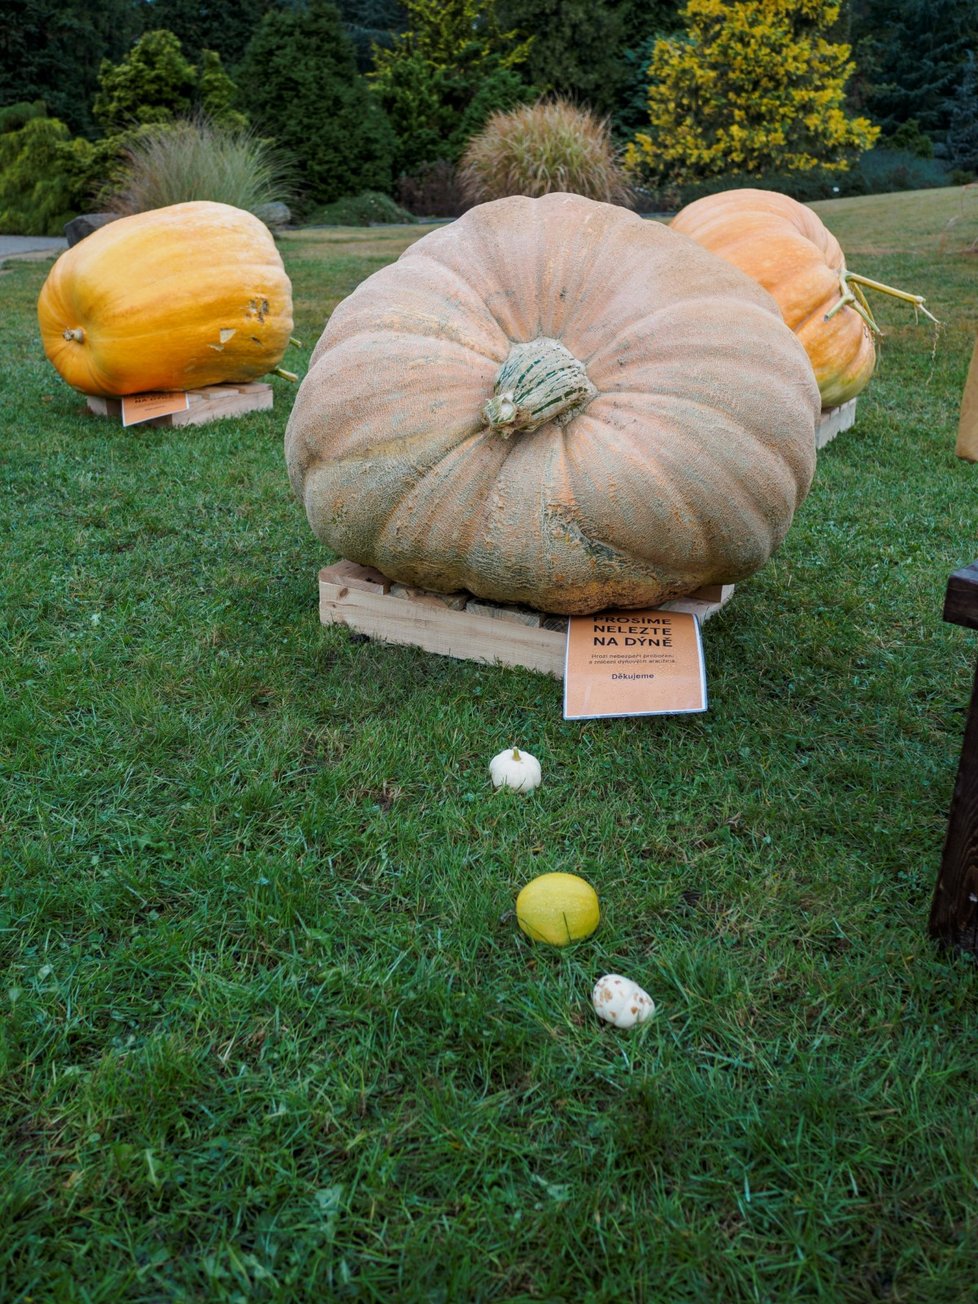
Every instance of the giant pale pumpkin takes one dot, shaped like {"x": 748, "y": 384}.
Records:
{"x": 787, "y": 248}
{"x": 553, "y": 402}
{"x": 175, "y": 298}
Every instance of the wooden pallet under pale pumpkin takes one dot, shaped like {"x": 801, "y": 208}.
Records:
{"x": 471, "y": 629}
{"x": 460, "y": 625}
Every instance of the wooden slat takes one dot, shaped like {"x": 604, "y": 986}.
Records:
{"x": 351, "y": 575}
{"x": 207, "y": 404}
{"x": 954, "y": 910}
{"x": 439, "y": 629}
{"x": 833, "y": 421}
{"x": 222, "y": 402}
{"x": 456, "y": 601}
{"x": 704, "y": 603}
{"x": 514, "y": 615}
{"x": 967, "y": 441}
{"x": 961, "y": 597}
{"x": 459, "y": 625}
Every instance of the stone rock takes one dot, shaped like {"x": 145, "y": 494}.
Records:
{"x": 79, "y": 227}
{"x": 274, "y": 215}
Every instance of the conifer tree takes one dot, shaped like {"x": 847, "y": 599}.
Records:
{"x": 300, "y": 84}
{"x": 750, "y": 87}
{"x": 52, "y": 50}
{"x": 909, "y": 55}
{"x": 444, "y": 75}
{"x": 961, "y": 142}
{"x": 153, "y": 83}
{"x": 587, "y": 52}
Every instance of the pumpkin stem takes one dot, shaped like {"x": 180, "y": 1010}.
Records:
{"x": 540, "y": 381}
{"x": 286, "y": 375}
{"x": 75, "y": 334}
{"x": 297, "y": 343}
{"x": 859, "y": 305}
{"x": 516, "y": 754}
{"x": 850, "y": 284}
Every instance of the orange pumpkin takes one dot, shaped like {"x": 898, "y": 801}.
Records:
{"x": 553, "y": 402}
{"x": 175, "y": 298}
{"x": 786, "y": 248}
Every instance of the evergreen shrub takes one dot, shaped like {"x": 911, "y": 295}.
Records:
{"x": 44, "y": 176}
{"x": 155, "y": 82}
{"x": 444, "y": 75}
{"x": 300, "y": 85}
{"x": 368, "y": 209}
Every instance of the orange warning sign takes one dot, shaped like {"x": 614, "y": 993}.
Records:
{"x": 633, "y": 663}
{"x": 143, "y": 407}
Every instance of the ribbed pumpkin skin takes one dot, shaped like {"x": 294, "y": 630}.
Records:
{"x": 175, "y": 298}
{"x": 684, "y": 469}
{"x": 786, "y": 248}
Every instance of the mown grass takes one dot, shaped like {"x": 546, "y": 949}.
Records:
{"x": 270, "y": 1032}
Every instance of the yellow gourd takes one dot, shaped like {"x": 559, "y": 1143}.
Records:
{"x": 171, "y": 299}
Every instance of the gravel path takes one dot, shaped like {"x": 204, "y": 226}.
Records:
{"x": 31, "y": 246}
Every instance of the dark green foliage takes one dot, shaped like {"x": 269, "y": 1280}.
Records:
{"x": 909, "y": 55}
{"x": 435, "y": 111}
{"x": 877, "y": 171}
{"x": 961, "y": 142}
{"x": 209, "y": 26}
{"x": 52, "y": 50}
{"x": 44, "y": 177}
{"x": 217, "y": 93}
{"x": 910, "y": 138}
{"x": 632, "y": 112}
{"x": 300, "y": 85}
{"x": 577, "y": 48}
{"x": 369, "y": 209}
{"x": 369, "y": 23}
{"x": 643, "y": 17}
{"x": 595, "y": 55}
{"x": 444, "y": 76}
{"x": 15, "y": 116}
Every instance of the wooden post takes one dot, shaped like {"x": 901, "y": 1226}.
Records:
{"x": 954, "y": 911}
{"x": 967, "y": 445}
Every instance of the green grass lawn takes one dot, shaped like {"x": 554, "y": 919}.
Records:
{"x": 270, "y": 1031}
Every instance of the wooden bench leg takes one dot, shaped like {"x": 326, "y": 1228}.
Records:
{"x": 954, "y": 911}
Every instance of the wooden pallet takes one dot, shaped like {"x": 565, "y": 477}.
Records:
{"x": 470, "y": 629}
{"x": 834, "y": 421}
{"x": 460, "y": 625}
{"x": 206, "y": 404}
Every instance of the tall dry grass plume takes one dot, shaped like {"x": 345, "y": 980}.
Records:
{"x": 191, "y": 159}
{"x": 541, "y": 148}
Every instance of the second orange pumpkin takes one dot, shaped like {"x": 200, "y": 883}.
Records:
{"x": 787, "y": 248}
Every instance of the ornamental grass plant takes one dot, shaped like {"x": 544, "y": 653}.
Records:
{"x": 270, "y": 1031}
{"x": 540, "y": 148}
{"x": 192, "y": 159}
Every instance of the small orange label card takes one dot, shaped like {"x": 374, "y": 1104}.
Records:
{"x": 633, "y": 663}
{"x": 143, "y": 407}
